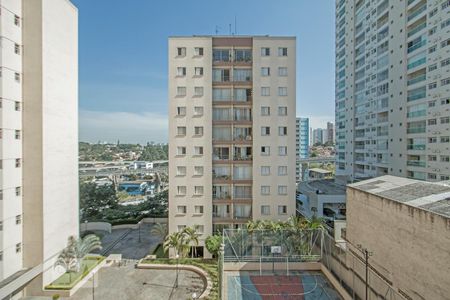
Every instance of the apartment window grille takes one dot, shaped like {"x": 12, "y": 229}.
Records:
{"x": 198, "y": 91}
{"x": 282, "y": 170}
{"x": 198, "y": 190}
{"x": 181, "y": 91}
{"x": 282, "y": 51}
{"x": 181, "y": 51}
{"x": 265, "y": 190}
{"x": 282, "y": 71}
{"x": 181, "y": 71}
{"x": 198, "y": 71}
{"x": 181, "y": 209}
{"x": 265, "y": 110}
{"x": 181, "y": 110}
{"x": 445, "y": 120}
{"x": 265, "y": 51}
{"x": 282, "y": 91}
{"x": 181, "y": 130}
{"x": 282, "y": 150}
{"x": 198, "y": 111}
{"x": 198, "y": 51}
{"x": 282, "y": 209}
{"x": 198, "y": 130}
{"x": 265, "y": 170}
{"x": 265, "y": 91}
{"x": 198, "y": 171}
{"x": 181, "y": 150}
{"x": 265, "y": 210}
{"x": 282, "y": 111}
{"x": 181, "y": 171}
{"x": 265, "y": 131}
{"x": 181, "y": 190}
{"x": 265, "y": 71}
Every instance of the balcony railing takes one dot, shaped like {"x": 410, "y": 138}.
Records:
{"x": 416, "y": 147}
{"x": 417, "y": 79}
{"x": 242, "y": 157}
{"x": 242, "y": 137}
{"x": 417, "y": 12}
{"x": 416, "y": 163}
{"x": 221, "y": 177}
{"x": 416, "y": 130}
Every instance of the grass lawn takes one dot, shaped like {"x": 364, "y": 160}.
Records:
{"x": 67, "y": 280}
{"x": 209, "y": 265}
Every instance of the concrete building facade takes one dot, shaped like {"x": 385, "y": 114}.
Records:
{"x": 392, "y": 89}
{"x": 231, "y": 131}
{"x": 39, "y": 140}
{"x": 388, "y": 215}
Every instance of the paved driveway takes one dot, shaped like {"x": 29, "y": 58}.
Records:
{"x": 126, "y": 283}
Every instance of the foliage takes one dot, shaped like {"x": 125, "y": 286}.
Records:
{"x": 110, "y": 152}
{"x": 154, "y": 152}
{"x": 82, "y": 246}
{"x": 159, "y": 251}
{"x": 160, "y": 230}
{"x": 94, "y": 199}
{"x": 181, "y": 241}
{"x": 213, "y": 243}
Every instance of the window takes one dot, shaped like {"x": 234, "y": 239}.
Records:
{"x": 445, "y": 120}
{"x": 282, "y": 71}
{"x": 265, "y": 71}
{"x": 181, "y": 150}
{"x": 17, "y": 49}
{"x": 18, "y": 247}
{"x": 445, "y": 158}
{"x": 445, "y": 177}
{"x": 181, "y": 209}
{"x": 445, "y": 4}
{"x": 198, "y": 51}
{"x": 445, "y": 101}
{"x": 17, "y": 77}
{"x": 198, "y": 171}
{"x": 181, "y": 190}
{"x": 445, "y": 81}
{"x": 198, "y": 130}
{"x": 282, "y": 91}
{"x": 282, "y": 130}
{"x": 265, "y": 131}
{"x": 181, "y": 171}
{"x": 432, "y": 49}
{"x": 181, "y": 130}
{"x": 198, "y": 111}
{"x": 282, "y": 150}
{"x": 282, "y": 51}
{"x": 265, "y": 51}
{"x": 198, "y": 71}
{"x": 265, "y": 91}
{"x": 198, "y": 190}
{"x": 265, "y": 110}
{"x": 432, "y": 140}
{"x": 282, "y": 209}
{"x": 198, "y": 91}
{"x": 198, "y": 209}
{"x": 18, "y": 163}
{"x": 282, "y": 190}
{"x": 432, "y": 157}
{"x": 16, "y": 20}
{"x": 1, "y": 226}
{"x": 282, "y": 170}
{"x": 18, "y": 219}
{"x": 17, "y": 135}
{"x": 265, "y": 171}
{"x": 445, "y": 139}
{"x": 181, "y": 110}
{"x": 181, "y": 71}
{"x": 181, "y": 91}
{"x": 265, "y": 190}
{"x": 265, "y": 210}
{"x": 18, "y": 191}
{"x": 265, "y": 150}
{"x": 432, "y": 122}
{"x": 1, "y": 194}
{"x": 181, "y": 51}
{"x": 432, "y": 67}
{"x": 181, "y": 227}
{"x": 432, "y": 85}
{"x": 445, "y": 43}
{"x": 198, "y": 150}
{"x": 282, "y": 110}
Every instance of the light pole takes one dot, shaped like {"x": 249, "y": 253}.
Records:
{"x": 194, "y": 295}
{"x": 85, "y": 225}
{"x": 176, "y": 278}
{"x": 366, "y": 253}
{"x": 139, "y": 230}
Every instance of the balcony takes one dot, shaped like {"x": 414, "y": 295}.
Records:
{"x": 416, "y": 163}
{"x": 416, "y": 147}
{"x": 417, "y": 11}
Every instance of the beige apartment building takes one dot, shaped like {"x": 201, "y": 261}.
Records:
{"x": 231, "y": 131}
{"x": 393, "y": 88}
{"x": 38, "y": 140}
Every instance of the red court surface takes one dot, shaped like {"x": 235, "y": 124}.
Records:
{"x": 278, "y": 287}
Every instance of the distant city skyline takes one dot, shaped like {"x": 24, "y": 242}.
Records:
{"x": 123, "y": 81}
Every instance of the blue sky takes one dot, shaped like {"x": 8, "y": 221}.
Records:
{"x": 123, "y": 57}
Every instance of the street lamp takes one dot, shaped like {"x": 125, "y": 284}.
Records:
{"x": 85, "y": 225}
{"x": 194, "y": 295}
{"x": 176, "y": 278}
{"x": 366, "y": 253}
{"x": 139, "y": 230}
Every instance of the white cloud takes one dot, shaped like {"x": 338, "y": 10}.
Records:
{"x": 130, "y": 127}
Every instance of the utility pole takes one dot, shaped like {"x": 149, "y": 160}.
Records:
{"x": 366, "y": 253}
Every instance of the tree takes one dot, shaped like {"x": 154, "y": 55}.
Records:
{"x": 191, "y": 236}
{"x": 175, "y": 241}
{"x": 83, "y": 246}
{"x": 68, "y": 260}
{"x": 160, "y": 230}
{"x": 93, "y": 199}
{"x": 213, "y": 243}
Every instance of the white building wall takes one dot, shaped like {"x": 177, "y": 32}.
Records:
{"x": 10, "y": 146}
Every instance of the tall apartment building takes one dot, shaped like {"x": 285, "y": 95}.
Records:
{"x": 330, "y": 133}
{"x": 231, "y": 131}
{"x": 318, "y": 135}
{"x": 301, "y": 143}
{"x": 38, "y": 140}
{"x": 392, "y": 88}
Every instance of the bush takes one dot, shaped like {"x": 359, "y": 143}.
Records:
{"x": 55, "y": 297}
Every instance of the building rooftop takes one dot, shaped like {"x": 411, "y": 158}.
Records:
{"x": 430, "y": 196}
{"x": 232, "y": 36}
{"x": 324, "y": 186}
{"x": 321, "y": 171}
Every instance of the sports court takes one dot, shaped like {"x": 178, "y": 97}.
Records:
{"x": 298, "y": 285}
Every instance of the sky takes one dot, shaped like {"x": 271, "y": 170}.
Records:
{"x": 123, "y": 57}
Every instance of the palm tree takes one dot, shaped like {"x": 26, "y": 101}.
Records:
{"x": 68, "y": 260}
{"x": 191, "y": 236}
{"x": 86, "y": 244}
{"x": 160, "y": 230}
{"x": 177, "y": 241}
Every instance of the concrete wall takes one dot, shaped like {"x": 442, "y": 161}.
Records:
{"x": 410, "y": 246}
{"x": 50, "y": 132}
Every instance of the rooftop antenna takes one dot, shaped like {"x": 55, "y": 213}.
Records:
{"x": 217, "y": 29}
{"x": 235, "y": 26}
{"x": 229, "y": 28}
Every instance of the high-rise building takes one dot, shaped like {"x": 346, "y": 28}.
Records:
{"x": 330, "y": 133}
{"x": 318, "y": 136}
{"x": 231, "y": 131}
{"x": 302, "y": 142}
{"x": 38, "y": 140}
{"x": 392, "y": 88}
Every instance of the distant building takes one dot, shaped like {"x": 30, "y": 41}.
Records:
{"x": 405, "y": 226}
{"x": 323, "y": 198}
{"x": 302, "y": 142}
{"x": 318, "y": 136}
{"x": 330, "y": 133}
{"x": 318, "y": 173}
